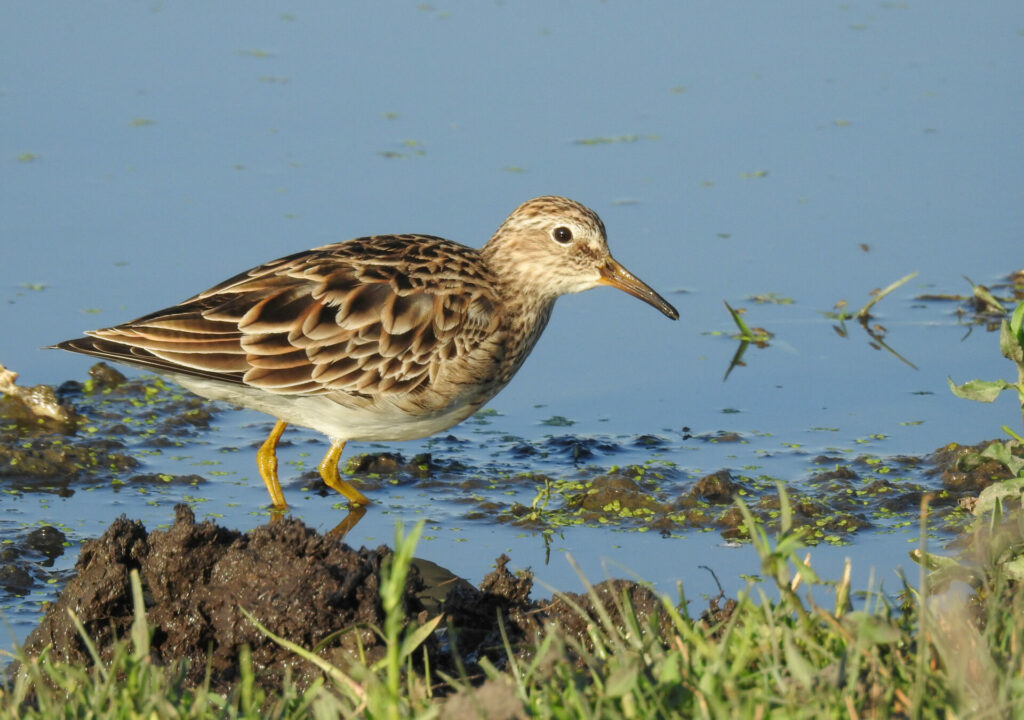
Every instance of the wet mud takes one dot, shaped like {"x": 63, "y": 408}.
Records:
{"x": 27, "y": 558}
{"x": 53, "y": 438}
{"x": 306, "y": 587}
{"x": 839, "y": 498}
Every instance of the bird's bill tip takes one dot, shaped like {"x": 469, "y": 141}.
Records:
{"x": 616, "y": 276}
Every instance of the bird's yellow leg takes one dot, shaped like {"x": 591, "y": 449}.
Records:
{"x": 266, "y": 460}
{"x": 329, "y": 472}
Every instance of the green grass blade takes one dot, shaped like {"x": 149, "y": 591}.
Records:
{"x": 865, "y": 313}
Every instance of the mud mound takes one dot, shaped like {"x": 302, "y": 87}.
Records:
{"x": 302, "y": 585}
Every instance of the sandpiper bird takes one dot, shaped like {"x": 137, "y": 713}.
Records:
{"x": 390, "y": 337}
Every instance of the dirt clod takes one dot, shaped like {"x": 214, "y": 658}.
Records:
{"x": 718, "y": 487}
{"x": 196, "y": 578}
{"x": 15, "y": 579}
{"x": 47, "y": 540}
{"x": 610, "y": 593}
{"x": 494, "y": 700}
{"x": 964, "y": 469}
{"x": 105, "y": 376}
{"x": 301, "y": 585}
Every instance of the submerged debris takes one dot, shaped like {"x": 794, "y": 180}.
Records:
{"x": 27, "y": 558}
{"x": 28, "y": 406}
{"x": 51, "y": 438}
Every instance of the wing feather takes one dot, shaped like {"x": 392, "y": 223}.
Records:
{"x": 377, "y": 314}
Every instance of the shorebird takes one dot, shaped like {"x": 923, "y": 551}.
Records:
{"x": 389, "y": 337}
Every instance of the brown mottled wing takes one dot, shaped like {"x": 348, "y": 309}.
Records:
{"x": 378, "y": 314}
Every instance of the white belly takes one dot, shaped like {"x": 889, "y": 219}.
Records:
{"x": 374, "y": 421}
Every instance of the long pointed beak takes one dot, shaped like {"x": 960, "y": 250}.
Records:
{"x": 619, "y": 277}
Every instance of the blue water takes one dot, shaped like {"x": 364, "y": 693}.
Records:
{"x": 150, "y": 150}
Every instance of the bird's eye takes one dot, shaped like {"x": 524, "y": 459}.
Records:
{"x": 562, "y": 235}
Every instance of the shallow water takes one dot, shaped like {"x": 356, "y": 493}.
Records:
{"x": 149, "y": 151}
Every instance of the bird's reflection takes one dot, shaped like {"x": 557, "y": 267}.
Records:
{"x": 339, "y": 531}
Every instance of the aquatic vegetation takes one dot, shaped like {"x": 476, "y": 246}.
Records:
{"x": 864, "y": 313}
{"x": 996, "y": 530}
{"x": 1011, "y": 345}
{"x": 610, "y": 140}
{"x": 1006, "y": 455}
{"x": 758, "y": 336}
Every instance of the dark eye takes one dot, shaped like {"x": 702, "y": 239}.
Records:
{"x": 562, "y": 234}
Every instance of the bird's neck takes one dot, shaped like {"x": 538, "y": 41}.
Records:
{"x": 526, "y": 316}
{"x": 523, "y": 271}
{"x": 527, "y": 299}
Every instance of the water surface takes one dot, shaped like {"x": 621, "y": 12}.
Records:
{"x": 814, "y": 151}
